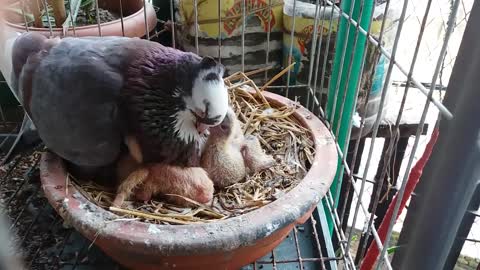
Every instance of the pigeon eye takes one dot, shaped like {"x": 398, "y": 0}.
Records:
{"x": 211, "y": 77}
{"x": 224, "y": 127}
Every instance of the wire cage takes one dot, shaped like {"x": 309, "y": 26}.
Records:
{"x": 376, "y": 72}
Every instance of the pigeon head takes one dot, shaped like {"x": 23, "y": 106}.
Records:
{"x": 209, "y": 96}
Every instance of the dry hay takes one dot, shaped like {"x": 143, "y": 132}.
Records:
{"x": 281, "y": 136}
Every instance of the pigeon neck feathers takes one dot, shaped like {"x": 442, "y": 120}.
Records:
{"x": 158, "y": 92}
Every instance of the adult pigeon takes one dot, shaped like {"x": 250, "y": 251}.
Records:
{"x": 89, "y": 96}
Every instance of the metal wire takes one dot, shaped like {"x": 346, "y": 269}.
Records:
{"x": 312, "y": 50}
{"x": 422, "y": 122}
{"x": 25, "y": 17}
{"x": 342, "y": 60}
{"x": 83, "y": 253}
{"x": 244, "y": 19}
{"x": 11, "y": 134}
{"x": 172, "y": 16}
{"x": 291, "y": 46}
{"x": 347, "y": 138}
{"x": 317, "y": 242}
{"x": 321, "y": 68}
{"x": 338, "y": 232}
{"x": 147, "y": 32}
{"x": 9, "y": 171}
{"x": 317, "y": 61}
{"x": 30, "y": 226}
{"x": 27, "y": 202}
{"x": 274, "y": 263}
{"x": 361, "y": 130}
{"x": 349, "y": 73}
{"x": 269, "y": 30}
{"x": 121, "y": 17}
{"x": 63, "y": 245}
{"x": 299, "y": 261}
{"x": 341, "y": 235}
{"x": 25, "y": 181}
{"x": 397, "y": 123}
{"x": 71, "y": 18}
{"x": 219, "y": 4}
{"x": 97, "y": 10}
{"x": 358, "y": 194}
{"x": 327, "y": 50}
{"x": 445, "y": 112}
{"x": 195, "y": 10}
{"x": 357, "y": 88}
{"x": 45, "y": 5}
{"x": 37, "y": 252}
{"x": 297, "y": 246}
{"x": 378, "y": 118}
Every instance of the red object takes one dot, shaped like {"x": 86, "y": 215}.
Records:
{"x": 413, "y": 178}
{"x": 225, "y": 244}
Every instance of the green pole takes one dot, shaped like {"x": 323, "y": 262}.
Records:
{"x": 347, "y": 87}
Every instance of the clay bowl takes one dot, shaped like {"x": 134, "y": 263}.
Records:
{"x": 226, "y": 244}
{"x": 133, "y": 21}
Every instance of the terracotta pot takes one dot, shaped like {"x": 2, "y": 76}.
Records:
{"x": 133, "y": 21}
{"x": 226, "y": 244}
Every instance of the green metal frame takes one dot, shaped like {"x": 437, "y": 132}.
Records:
{"x": 348, "y": 84}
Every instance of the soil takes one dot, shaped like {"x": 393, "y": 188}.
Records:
{"x": 29, "y": 213}
{"x": 83, "y": 19}
{"x": 105, "y": 16}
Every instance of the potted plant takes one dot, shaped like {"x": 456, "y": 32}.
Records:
{"x": 79, "y": 17}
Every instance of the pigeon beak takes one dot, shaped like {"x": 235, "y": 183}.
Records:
{"x": 201, "y": 127}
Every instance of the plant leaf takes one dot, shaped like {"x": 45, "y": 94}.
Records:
{"x": 72, "y": 17}
{"x": 86, "y": 3}
{"x": 391, "y": 250}
{"x": 45, "y": 21}
{"x": 354, "y": 237}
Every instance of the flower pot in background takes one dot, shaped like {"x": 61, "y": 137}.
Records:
{"x": 133, "y": 21}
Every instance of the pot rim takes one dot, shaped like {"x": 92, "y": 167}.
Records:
{"x": 226, "y": 235}
{"x": 150, "y": 12}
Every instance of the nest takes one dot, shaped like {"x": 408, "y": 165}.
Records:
{"x": 281, "y": 136}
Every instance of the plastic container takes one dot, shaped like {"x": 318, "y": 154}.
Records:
{"x": 302, "y": 44}
{"x": 376, "y": 64}
{"x": 303, "y": 38}
{"x": 256, "y": 29}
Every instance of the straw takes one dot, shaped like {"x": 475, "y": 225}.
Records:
{"x": 281, "y": 136}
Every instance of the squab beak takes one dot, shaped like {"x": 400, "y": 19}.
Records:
{"x": 202, "y": 128}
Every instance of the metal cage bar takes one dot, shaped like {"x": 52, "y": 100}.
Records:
{"x": 396, "y": 128}
{"x": 445, "y": 112}
{"x": 422, "y": 122}
{"x": 320, "y": 68}
{"x": 458, "y": 138}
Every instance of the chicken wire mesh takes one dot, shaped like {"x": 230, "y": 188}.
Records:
{"x": 409, "y": 48}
